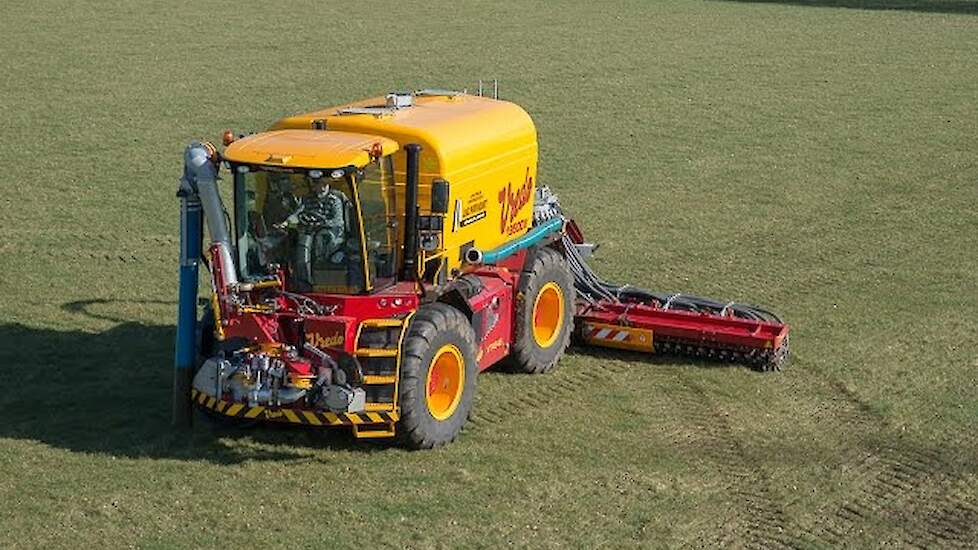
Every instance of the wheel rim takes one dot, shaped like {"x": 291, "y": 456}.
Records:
{"x": 548, "y": 315}
{"x": 446, "y": 378}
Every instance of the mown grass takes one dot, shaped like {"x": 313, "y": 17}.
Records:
{"x": 818, "y": 161}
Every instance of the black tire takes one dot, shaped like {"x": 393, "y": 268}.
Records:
{"x": 205, "y": 337}
{"x": 545, "y": 268}
{"x": 434, "y": 328}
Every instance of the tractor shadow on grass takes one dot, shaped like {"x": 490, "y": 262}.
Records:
{"x": 960, "y": 7}
{"x": 110, "y": 392}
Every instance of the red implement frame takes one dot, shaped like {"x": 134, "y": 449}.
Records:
{"x": 642, "y": 327}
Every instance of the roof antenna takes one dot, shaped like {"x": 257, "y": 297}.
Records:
{"x": 495, "y": 89}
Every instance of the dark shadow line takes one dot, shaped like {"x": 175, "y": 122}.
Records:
{"x": 956, "y": 7}
{"x": 80, "y": 307}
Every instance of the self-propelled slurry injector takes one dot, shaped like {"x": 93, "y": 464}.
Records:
{"x": 380, "y": 254}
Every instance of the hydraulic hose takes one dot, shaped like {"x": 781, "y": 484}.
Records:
{"x": 593, "y": 289}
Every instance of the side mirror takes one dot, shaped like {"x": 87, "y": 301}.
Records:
{"x": 439, "y": 196}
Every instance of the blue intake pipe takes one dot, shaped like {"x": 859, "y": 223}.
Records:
{"x": 198, "y": 167}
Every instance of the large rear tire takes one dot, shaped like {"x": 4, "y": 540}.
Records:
{"x": 544, "y": 312}
{"x": 437, "y": 377}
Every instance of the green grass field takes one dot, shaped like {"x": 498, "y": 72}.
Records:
{"x": 818, "y": 158}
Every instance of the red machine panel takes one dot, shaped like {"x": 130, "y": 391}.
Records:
{"x": 336, "y": 332}
{"x": 492, "y": 317}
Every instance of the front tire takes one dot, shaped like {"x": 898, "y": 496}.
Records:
{"x": 437, "y": 377}
{"x": 544, "y": 312}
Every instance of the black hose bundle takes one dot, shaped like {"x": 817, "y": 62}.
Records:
{"x": 593, "y": 289}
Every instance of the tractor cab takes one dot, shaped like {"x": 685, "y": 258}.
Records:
{"x": 319, "y": 207}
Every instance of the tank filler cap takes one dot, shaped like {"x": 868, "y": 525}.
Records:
{"x": 400, "y": 100}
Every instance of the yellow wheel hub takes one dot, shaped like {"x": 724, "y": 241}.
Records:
{"x": 548, "y": 315}
{"x": 446, "y": 379}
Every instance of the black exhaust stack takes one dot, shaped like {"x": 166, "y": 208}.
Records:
{"x": 410, "y": 270}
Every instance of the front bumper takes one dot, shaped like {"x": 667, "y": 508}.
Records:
{"x": 291, "y": 416}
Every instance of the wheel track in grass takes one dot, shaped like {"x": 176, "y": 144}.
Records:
{"x": 891, "y": 483}
{"x": 901, "y": 483}
{"x": 759, "y": 521}
{"x": 541, "y": 390}
{"x": 886, "y": 481}
{"x": 956, "y": 523}
{"x": 99, "y": 247}
{"x": 545, "y": 390}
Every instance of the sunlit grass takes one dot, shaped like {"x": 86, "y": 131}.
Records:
{"x": 820, "y": 162}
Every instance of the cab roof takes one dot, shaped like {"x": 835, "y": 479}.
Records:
{"x": 457, "y": 130}
{"x": 307, "y": 148}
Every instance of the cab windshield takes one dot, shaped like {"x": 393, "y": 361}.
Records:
{"x": 315, "y": 226}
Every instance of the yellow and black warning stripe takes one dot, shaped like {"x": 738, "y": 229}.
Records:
{"x": 293, "y": 416}
{"x": 619, "y": 336}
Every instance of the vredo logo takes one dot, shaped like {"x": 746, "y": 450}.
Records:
{"x": 322, "y": 341}
{"x": 512, "y": 202}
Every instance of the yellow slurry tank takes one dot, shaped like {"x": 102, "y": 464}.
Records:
{"x": 486, "y": 149}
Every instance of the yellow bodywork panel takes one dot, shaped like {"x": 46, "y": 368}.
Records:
{"x": 485, "y": 148}
{"x": 307, "y": 148}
